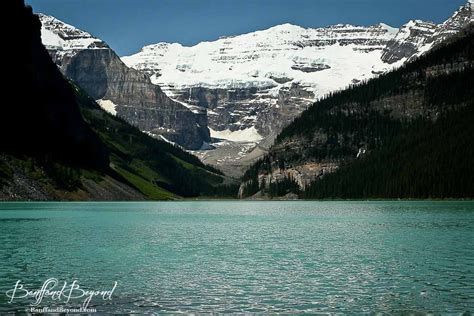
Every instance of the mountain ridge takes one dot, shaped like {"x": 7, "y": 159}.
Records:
{"x": 262, "y": 80}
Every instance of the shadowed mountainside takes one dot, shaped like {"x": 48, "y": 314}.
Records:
{"x": 57, "y": 143}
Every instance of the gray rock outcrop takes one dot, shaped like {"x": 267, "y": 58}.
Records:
{"x": 97, "y": 69}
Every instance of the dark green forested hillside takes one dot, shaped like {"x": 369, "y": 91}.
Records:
{"x": 56, "y": 143}
{"x": 413, "y": 126}
{"x": 427, "y": 160}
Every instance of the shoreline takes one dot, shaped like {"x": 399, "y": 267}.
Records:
{"x": 238, "y": 200}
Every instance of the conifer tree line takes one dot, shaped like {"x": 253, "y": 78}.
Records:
{"x": 423, "y": 102}
{"x": 428, "y": 160}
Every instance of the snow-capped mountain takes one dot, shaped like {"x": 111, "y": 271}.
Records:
{"x": 262, "y": 59}
{"x": 246, "y": 88}
{"x": 262, "y": 80}
{"x": 57, "y": 35}
{"x": 121, "y": 90}
{"x": 254, "y": 84}
{"x": 410, "y": 41}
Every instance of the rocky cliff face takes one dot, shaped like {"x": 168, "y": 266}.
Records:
{"x": 120, "y": 90}
{"x": 409, "y": 41}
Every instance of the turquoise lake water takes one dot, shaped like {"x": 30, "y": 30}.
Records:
{"x": 286, "y": 257}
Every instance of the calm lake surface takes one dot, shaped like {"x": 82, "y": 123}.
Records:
{"x": 284, "y": 257}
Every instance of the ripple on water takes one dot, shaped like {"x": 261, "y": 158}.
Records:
{"x": 289, "y": 257}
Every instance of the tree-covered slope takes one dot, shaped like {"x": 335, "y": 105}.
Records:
{"x": 378, "y": 136}
{"x": 158, "y": 169}
{"x": 56, "y": 143}
{"x": 427, "y": 160}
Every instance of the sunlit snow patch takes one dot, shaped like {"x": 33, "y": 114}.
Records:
{"x": 245, "y": 135}
{"x": 107, "y": 106}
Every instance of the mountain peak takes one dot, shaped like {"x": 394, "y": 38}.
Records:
{"x": 286, "y": 27}
{"x": 462, "y": 17}
{"x": 161, "y": 46}
{"x": 57, "y": 34}
{"x": 390, "y": 29}
{"x": 469, "y": 5}
{"x": 342, "y": 26}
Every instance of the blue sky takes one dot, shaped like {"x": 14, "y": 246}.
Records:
{"x": 128, "y": 25}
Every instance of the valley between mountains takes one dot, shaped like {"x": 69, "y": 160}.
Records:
{"x": 228, "y": 99}
{"x": 286, "y": 112}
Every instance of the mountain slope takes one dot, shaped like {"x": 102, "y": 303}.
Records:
{"x": 263, "y": 79}
{"x": 96, "y": 68}
{"x": 429, "y": 160}
{"x": 56, "y": 142}
{"x": 255, "y": 84}
{"x": 156, "y": 168}
{"x": 417, "y": 37}
{"x": 44, "y": 120}
{"x": 382, "y": 134}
